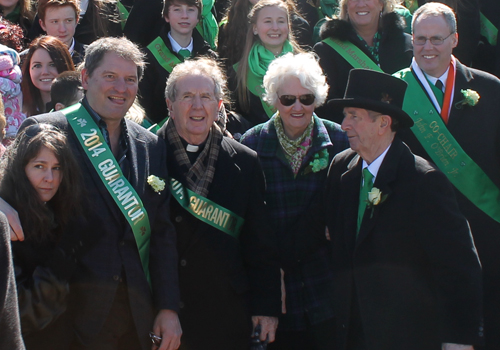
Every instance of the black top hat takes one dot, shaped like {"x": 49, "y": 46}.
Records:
{"x": 375, "y": 91}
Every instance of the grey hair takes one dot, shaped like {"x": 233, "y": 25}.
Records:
{"x": 95, "y": 52}
{"x": 202, "y": 66}
{"x": 388, "y": 6}
{"x": 436, "y": 9}
{"x": 303, "y": 66}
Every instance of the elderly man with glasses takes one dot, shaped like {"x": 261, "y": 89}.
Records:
{"x": 455, "y": 110}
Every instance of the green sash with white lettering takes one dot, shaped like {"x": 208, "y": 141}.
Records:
{"x": 488, "y": 29}
{"x": 205, "y": 210}
{"x": 163, "y": 55}
{"x": 105, "y": 164}
{"x": 446, "y": 152}
{"x": 352, "y": 54}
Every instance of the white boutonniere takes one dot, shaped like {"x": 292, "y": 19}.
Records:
{"x": 471, "y": 98}
{"x": 375, "y": 197}
{"x": 156, "y": 183}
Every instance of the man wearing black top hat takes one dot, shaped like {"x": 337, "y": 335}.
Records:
{"x": 407, "y": 273}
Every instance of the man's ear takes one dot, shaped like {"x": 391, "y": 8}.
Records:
{"x": 170, "y": 107}
{"x": 85, "y": 78}
{"x": 385, "y": 122}
{"x": 42, "y": 25}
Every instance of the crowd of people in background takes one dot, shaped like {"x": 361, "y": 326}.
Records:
{"x": 250, "y": 174}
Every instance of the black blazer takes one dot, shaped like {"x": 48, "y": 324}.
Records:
{"x": 395, "y": 53}
{"x": 94, "y": 284}
{"x": 413, "y": 268}
{"x": 477, "y": 130}
{"x": 218, "y": 273}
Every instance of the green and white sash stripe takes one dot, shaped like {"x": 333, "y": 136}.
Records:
{"x": 352, "y": 54}
{"x": 446, "y": 152}
{"x": 488, "y": 30}
{"x": 163, "y": 55}
{"x": 105, "y": 164}
{"x": 205, "y": 210}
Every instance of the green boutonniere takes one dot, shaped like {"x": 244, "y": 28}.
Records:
{"x": 471, "y": 98}
{"x": 319, "y": 162}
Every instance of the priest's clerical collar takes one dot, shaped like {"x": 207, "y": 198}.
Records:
{"x": 192, "y": 148}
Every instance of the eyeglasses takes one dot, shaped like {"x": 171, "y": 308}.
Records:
{"x": 435, "y": 40}
{"x": 288, "y": 100}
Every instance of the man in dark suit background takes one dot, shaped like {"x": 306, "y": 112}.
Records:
{"x": 111, "y": 303}
{"x": 228, "y": 275}
{"x": 457, "y": 127}
{"x": 407, "y": 273}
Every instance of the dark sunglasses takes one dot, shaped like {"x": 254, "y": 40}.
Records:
{"x": 288, "y": 100}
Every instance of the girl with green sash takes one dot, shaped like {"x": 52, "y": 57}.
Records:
{"x": 268, "y": 37}
{"x": 366, "y": 34}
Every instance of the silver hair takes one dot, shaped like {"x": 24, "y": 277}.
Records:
{"x": 303, "y": 66}
{"x": 436, "y": 9}
{"x": 388, "y": 6}
{"x": 203, "y": 66}
{"x": 95, "y": 52}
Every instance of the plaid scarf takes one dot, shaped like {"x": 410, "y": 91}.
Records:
{"x": 295, "y": 150}
{"x": 199, "y": 175}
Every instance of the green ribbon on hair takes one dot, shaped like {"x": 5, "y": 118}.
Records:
{"x": 207, "y": 26}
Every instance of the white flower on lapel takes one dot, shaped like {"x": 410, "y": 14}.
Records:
{"x": 374, "y": 196}
{"x": 156, "y": 183}
{"x": 471, "y": 98}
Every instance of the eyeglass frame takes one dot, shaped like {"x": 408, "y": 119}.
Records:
{"x": 431, "y": 39}
{"x": 297, "y": 98}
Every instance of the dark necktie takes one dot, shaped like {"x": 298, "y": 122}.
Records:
{"x": 363, "y": 195}
{"x": 439, "y": 85}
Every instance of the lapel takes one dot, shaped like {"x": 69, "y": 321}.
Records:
{"x": 385, "y": 177}
{"x": 462, "y": 80}
{"x": 349, "y": 199}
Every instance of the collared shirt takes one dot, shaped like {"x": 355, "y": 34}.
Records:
{"x": 443, "y": 78}
{"x": 123, "y": 141}
{"x": 176, "y": 47}
{"x": 71, "y": 49}
{"x": 374, "y": 166}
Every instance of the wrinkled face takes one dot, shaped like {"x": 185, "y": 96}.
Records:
{"x": 112, "y": 87}
{"x": 183, "y": 18}
{"x": 433, "y": 59}
{"x": 195, "y": 107}
{"x": 42, "y": 70}
{"x": 44, "y": 173}
{"x": 364, "y": 13}
{"x": 60, "y": 22}
{"x": 362, "y": 131}
{"x": 296, "y": 117}
{"x": 272, "y": 27}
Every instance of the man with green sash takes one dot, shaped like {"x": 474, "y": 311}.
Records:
{"x": 407, "y": 276}
{"x": 228, "y": 275}
{"x": 178, "y": 40}
{"x": 131, "y": 273}
{"x": 455, "y": 110}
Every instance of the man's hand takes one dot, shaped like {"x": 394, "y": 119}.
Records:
{"x": 16, "y": 231}
{"x": 168, "y": 327}
{"x": 451, "y": 346}
{"x": 268, "y": 327}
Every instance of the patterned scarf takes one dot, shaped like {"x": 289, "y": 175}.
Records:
{"x": 199, "y": 175}
{"x": 295, "y": 150}
{"x": 375, "y": 48}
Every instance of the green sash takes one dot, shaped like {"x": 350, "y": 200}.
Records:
{"x": 352, "y": 54}
{"x": 105, "y": 164}
{"x": 207, "y": 211}
{"x": 446, "y": 152}
{"x": 488, "y": 30}
{"x": 255, "y": 87}
{"x": 163, "y": 55}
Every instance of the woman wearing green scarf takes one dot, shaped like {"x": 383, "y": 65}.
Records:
{"x": 268, "y": 37}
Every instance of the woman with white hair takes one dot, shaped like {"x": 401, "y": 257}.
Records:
{"x": 295, "y": 148}
{"x": 366, "y": 34}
